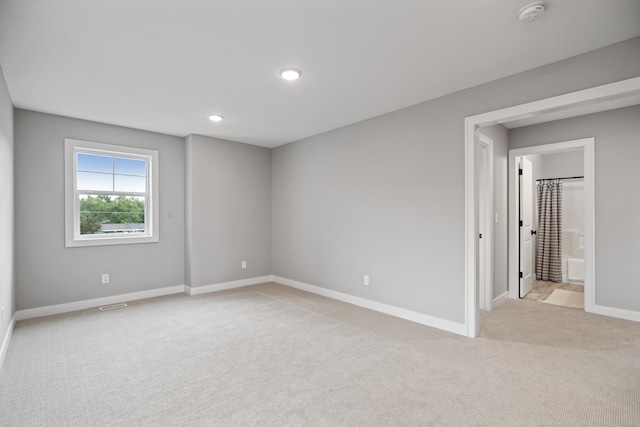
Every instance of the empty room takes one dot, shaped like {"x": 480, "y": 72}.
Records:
{"x": 296, "y": 213}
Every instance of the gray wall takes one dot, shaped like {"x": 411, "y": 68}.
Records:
{"x": 562, "y": 165}
{"x": 500, "y": 136}
{"x": 7, "y": 282}
{"x": 385, "y": 197}
{"x": 617, "y": 175}
{"x": 228, "y": 216}
{"x": 47, "y": 273}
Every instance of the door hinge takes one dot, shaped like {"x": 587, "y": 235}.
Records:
{"x": 481, "y": 235}
{"x": 520, "y": 223}
{"x": 519, "y": 171}
{"x": 521, "y": 274}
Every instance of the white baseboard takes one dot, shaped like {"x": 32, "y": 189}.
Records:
{"x": 226, "y": 285}
{"x": 617, "y": 312}
{"x": 423, "y": 319}
{"x": 115, "y": 299}
{"x": 5, "y": 342}
{"x": 97, "y": 302}
{"x": 498, "y": 301}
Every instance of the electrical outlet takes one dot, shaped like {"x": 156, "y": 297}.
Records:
{"x": 366, "y": 280}
{"x": 244, "y": 264}
{"x": 105, "y": 279}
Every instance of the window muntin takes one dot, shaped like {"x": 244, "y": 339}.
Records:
{"x": 110, "y": 194}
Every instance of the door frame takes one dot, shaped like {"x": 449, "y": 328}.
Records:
{"x": 582, "y": 98}
{"x": 587, "y": 145}
{"x": 485, "y": 245}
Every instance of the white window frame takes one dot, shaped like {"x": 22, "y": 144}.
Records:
{"x": 73, "y": 238}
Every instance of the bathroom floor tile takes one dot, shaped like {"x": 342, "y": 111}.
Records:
{"x": 542, "y": 289}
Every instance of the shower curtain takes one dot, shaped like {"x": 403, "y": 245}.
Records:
{"x": 548, "y": 252}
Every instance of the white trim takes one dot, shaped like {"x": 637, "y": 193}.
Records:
{"x": 590, "y": 225}
{"x": 31, "y": 313}
{"x": 226, "y": 285}
{"x": 5, "y": 342}
{"x": 617, "y": 312}
{"x": 498, "y": 301}
{"x": 608, "y": 92}
{"x": 513, "y": 189}
{"x": 486, "y": 294}
{"x": 423, "y": 319}
{"x": 412, "y": 316}
{"x": 598, "y": 94}
{"x": 587, "y": 147}
{"x": 471, "y": 314}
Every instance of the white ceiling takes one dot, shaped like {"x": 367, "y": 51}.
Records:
{"x": 165, "y": 66}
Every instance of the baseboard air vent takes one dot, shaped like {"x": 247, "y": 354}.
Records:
{"x": 113, "y": 306}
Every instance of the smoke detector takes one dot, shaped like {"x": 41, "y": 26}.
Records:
{"x": 531, "y": 12}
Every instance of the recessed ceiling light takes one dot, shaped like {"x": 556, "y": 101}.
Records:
{"x": 215, "y": 117}
{"x": 290, "y": 74}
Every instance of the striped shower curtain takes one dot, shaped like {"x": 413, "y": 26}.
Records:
{"x": 548, "y": 253}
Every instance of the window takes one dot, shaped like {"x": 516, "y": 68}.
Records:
{"x": 110, "y": 194}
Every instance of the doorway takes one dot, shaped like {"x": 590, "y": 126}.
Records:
{"x": 573, "y": 104}
{"x": 551, "y": 213}
{"x": 587, "y": 147}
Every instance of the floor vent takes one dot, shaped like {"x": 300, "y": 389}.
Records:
{"x": 113, "y": 306}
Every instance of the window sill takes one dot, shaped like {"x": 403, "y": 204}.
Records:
{"x": 109, "y": 241}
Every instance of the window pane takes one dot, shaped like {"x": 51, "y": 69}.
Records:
{"x": 130, "y": 166}
{"x": 94, "y": 163}
{"x": 95, "y": 181}
{"x": 101, "y": 214}
{"x": 135, "y": 184}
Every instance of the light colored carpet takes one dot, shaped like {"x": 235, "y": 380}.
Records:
{"x": 566, "y": 298}
{"x": 268, "y": 355}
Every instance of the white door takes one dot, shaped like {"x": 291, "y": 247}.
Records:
{"x": 526, "y": 227}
